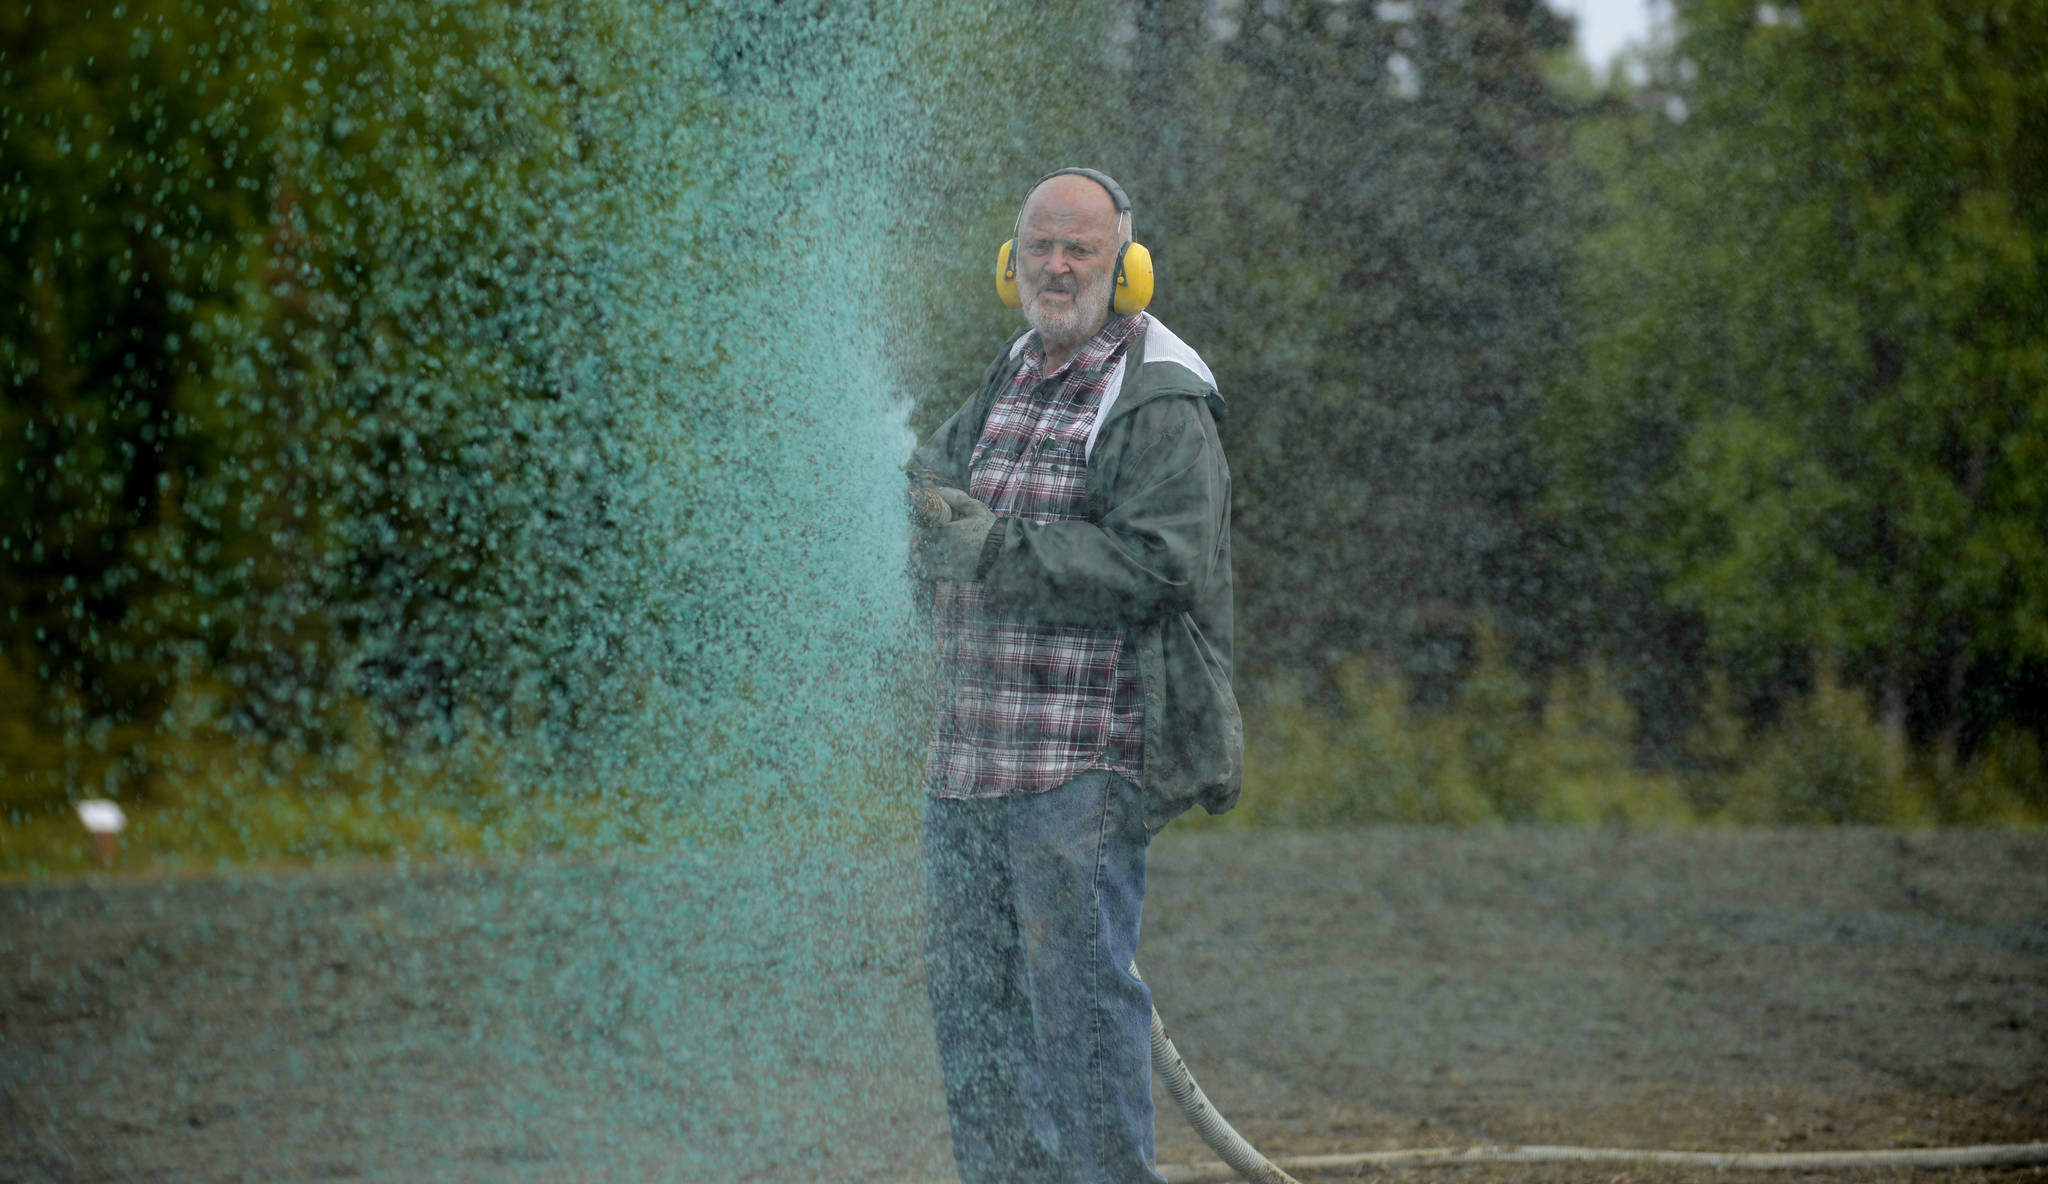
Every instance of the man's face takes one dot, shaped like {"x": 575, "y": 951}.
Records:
{"x": 1066, "y": 259}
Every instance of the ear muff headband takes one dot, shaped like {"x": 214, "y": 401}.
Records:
{"x": 1132, "y": 281}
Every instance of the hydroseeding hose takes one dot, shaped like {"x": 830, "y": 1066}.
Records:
{"x": 1222, "y": 1138}
{"x": 1246, "y": 1162}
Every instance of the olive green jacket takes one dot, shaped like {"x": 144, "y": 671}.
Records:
{"x": 1152, "y": 557}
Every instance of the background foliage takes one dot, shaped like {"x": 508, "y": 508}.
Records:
{"x": 1663, "y": 447}
{"x": 1803, "y": 430}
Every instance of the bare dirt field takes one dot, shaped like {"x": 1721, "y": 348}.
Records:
{"x": 728, "y": 1015}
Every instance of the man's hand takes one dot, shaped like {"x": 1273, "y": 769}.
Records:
{"x": 927, "y": 509}
{"x": 952, "y": 550}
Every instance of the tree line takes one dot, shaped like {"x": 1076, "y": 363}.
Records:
{"x": 1724, "y": 377}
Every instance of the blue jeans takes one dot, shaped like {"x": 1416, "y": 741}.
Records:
{"x": 1044, "y": 1034}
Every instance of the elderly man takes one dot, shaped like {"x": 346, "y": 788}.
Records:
{"x": 1081, "y": 598}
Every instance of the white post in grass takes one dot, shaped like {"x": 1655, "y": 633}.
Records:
{"x": 105, "y": 820}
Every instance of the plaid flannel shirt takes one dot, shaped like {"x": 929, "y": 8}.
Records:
{"x": 1024, "y": 708}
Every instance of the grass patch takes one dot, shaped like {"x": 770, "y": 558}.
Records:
{"x": 204, "y": 799}
{"x": 1501, "y": 753}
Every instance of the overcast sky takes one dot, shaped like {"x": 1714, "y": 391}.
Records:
{"x": 1606, "y": 25}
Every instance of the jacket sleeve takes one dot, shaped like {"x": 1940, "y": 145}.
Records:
{"x": 1153, "y": 547}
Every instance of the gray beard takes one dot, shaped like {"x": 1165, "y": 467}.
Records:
{"x": 1074, "y": 325}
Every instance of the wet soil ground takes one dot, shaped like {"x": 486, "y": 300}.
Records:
{"x": 725, "y": 1015}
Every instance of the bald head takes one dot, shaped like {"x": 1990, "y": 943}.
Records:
{"x": 1072, "y": 201}
{"x": 1067, "y": 240}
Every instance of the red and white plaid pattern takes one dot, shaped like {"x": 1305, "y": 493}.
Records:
{"x": 1022, "y": 707}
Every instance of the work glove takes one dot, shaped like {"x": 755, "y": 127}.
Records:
{"x": 953, "y": 550}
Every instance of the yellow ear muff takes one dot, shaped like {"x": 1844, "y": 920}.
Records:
{"x": 1133, "y": 287}
{"x": 1006, "y": 276}
{"x": 1131, "y": 283}
{"x": 1130, "y": 291}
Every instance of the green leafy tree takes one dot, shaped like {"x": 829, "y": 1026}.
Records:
{"x": 382, "y": 376}
{"x": 134, "y": 175}
{"x": 292, "y": 317}
{"x": 1812, "y": 406}
{"x": 1362, "y": 232}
